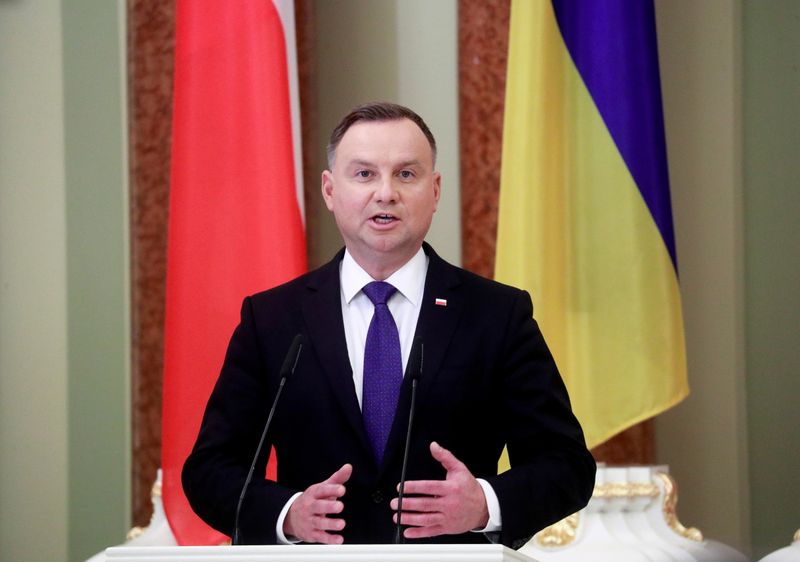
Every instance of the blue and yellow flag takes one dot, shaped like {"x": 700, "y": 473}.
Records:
{"x": 585, "y": 220}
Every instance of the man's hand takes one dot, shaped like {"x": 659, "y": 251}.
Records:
{"x": 449, "y": 507}
{"x": 307, "y": 517}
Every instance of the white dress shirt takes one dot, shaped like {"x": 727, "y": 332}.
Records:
{"x": 357, "y": 309}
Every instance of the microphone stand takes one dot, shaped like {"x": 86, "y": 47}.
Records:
{"x": 289, "y": 365}
{"x": 398, "y": 537}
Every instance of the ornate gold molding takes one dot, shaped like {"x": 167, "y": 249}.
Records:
{"x": 669, "y": 507}
{"x": 563, "y": 532}
{"x": 134, "y": 533}
{"x": 155, "y": 492}
{"x": 627, "y": 490}
{"x": 559, "y": 534}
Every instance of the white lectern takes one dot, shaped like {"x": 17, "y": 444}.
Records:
{"x": 318, "y": 553}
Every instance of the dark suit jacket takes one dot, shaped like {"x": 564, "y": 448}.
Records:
{"x": 488, "y": 379}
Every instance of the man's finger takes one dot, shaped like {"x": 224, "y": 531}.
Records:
{"x": 426, "y": 487}
{"x": 420, "y": 519}
{"x": 423, "y": 532}
{"x": 325, "y": 490}
{"x": 324, "y": 507}
{"x": 325, "y": 538}
{"x": 340, "y": 476}
{"x": 323, "y": 523}
{"x": 427, "y": 503}
{"x": 447, "y": 459}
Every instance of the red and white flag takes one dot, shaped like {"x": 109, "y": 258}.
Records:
{"x": 236, "y": 205}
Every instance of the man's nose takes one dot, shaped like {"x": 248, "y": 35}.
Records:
{"x": 386, "y": 191}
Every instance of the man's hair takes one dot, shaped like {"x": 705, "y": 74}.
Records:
{"x": 377, "y": 111}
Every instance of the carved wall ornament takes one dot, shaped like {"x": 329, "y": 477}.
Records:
{"x": 559, "y": 534}
{"x": 134, "y": 533}
{"x": 155, "y": 494}
{"x": 669, "y": 508}
{"x": 628, "y": 490}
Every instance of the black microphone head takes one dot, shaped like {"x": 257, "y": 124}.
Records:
{"x": 415, "y": 359}
{"x": 293, "y": 355}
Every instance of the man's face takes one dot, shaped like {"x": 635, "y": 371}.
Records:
{"x": 382, "y": 191}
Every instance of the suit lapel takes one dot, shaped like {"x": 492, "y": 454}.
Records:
{"x": 322, "y": 312}
{"x": 436, "y": 325}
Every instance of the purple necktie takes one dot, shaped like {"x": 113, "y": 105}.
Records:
{"x": 383, "y": 369}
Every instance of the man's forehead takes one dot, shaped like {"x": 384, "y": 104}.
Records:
{"x": 399, "y": 139}
{"x": 375, "y": 128}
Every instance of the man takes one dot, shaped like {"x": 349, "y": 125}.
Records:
{"x": 487, "y": 379}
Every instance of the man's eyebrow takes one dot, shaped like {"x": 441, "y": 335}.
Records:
{"x": 368, "y": 164}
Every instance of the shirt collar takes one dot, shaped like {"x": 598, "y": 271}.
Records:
{"x": 409, "y": 280}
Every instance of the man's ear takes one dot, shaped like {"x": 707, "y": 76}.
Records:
{"x": 327, "y": 189}
{"x": 437, "y": 188}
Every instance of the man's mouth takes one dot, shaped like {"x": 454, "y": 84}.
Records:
{"x": 383, "y": 218}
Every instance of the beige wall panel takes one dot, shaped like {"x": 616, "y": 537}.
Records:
{"x": 33, "y": 297}
{"x": 704, "y": 439}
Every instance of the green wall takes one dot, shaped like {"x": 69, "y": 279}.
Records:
{"x": 772, "y": 244}
{"x": 96, "y": 172}
{"x": 64, "y": 312}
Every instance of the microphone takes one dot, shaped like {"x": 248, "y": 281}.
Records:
{"x": 288, "y": 367}
{"x": 414, "y": 370}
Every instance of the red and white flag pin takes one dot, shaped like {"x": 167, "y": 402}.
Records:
{"x": 441, "y": 302}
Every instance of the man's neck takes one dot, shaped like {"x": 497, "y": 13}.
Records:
{"x": 381, "y": 267}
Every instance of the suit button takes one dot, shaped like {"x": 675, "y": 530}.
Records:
{"x": 377, "y": 496}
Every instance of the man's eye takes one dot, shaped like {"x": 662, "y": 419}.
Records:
{"x": 406, "y": 174}
{"x": 363, "y": 173}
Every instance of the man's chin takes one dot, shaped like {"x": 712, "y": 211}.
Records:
{"x": 386, "y": 250}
